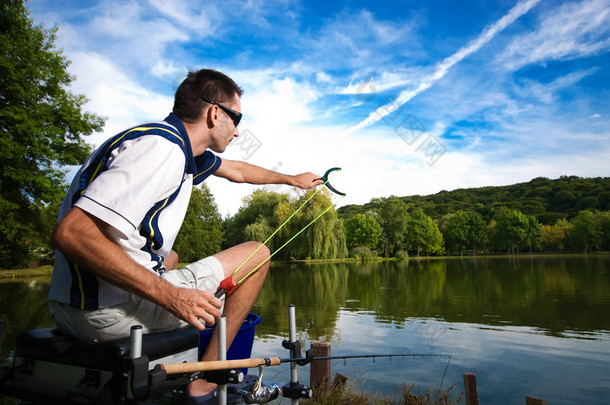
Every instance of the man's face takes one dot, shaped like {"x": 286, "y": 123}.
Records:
{"x": 226, "y": 129}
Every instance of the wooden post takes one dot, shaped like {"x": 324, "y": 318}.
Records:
{"x": 534, "y": 401}
{"x": 339, "y": 381}
{"x": 319, "y": 370}
{"x": 470, "y": 389}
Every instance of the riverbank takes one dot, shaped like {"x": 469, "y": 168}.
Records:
{"x": 48, "y": 269}
{"x": 536, "y": 255}
{"x": 24, "y": 273}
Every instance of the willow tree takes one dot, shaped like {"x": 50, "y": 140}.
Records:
{"x": 256, "y": 219}
{"x": 324, "y": 238}
{"x": 42, "y": 124}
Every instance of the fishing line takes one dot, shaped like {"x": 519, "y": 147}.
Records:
{"x": 287, "y": 242}
{"x": 227, "y": 285}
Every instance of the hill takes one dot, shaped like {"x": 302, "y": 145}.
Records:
{"x": 546, "y": 199}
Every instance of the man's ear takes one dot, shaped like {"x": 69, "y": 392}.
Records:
{"x": 211, "y": 116}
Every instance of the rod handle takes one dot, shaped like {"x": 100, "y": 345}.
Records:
{"x": 200, "y": 366}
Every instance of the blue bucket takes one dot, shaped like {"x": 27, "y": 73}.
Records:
{"x": 241, "y": 348}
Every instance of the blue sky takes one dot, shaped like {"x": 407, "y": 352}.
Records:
{"x": 407, "y": 97}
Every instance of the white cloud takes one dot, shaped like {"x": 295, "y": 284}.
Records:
{"x": 441, "y": 69}
{"x": 571, "y": 31}
{"x": 191, "y": 15}
{"x": 114, "y": 95}
{"x": 374, "y": 83}
{"x": 548, "y": 92}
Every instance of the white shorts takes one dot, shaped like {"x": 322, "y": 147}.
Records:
{"x": 115, "y": 322}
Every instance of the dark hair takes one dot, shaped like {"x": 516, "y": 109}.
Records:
{"x": 207, "y": 83}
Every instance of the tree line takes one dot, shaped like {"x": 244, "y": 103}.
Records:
{"x": 546, "y": 199}
{"x": 388, "y": 228}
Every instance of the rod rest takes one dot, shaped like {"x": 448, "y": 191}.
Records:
{"x": 51, "y": 345}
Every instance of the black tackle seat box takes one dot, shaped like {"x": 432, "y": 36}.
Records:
{"x": 53, "y": 346}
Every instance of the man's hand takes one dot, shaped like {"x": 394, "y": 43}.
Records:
{"x": 306, "y": 180}
{"x": 197, "y": 307}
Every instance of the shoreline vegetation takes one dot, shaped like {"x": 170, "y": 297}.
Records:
{"x": 47, "y": 270}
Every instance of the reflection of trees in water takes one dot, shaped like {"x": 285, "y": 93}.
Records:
{"x": 557, "y": 295}
{"x": 23, "y": 306}
{"x": 553, "y": 294}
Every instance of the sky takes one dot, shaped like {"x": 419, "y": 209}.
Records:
{"x": 406, "y": 97}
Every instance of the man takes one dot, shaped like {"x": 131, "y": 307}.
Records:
{"x": 114, "y": 265}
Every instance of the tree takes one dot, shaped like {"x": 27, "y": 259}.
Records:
{"x": 41, "y": 123}
{"x": 434, "y": 242}
{"x": 478, "y": 232}
{"x": 265, "y": 208}
{"x": 362, "y": 230}
{"x": 554, "y": 236}
{"x": 264, "y": 212}
{"x": 456, "y": 231}
{"x": 201, "y": 234}
{"x": 324, "y": 238}
{"x": 464, "y": 230}
{"x": 391, "y": 213}
{"x": 423, "y": 234}
{"x": 510, "y": 230}
{"x": 604, "y": 222}
{"x": 587, "y": 233}
{"x": 533, "y": 233}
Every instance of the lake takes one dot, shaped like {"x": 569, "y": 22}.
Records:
{"x": 536, "y": 326}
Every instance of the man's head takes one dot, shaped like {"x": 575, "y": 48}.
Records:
{"x": 203, "y": 84}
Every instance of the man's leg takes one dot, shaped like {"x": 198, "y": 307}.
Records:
{"x": 239, "y": 303}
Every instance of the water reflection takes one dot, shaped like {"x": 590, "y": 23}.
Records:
{"x": 558, "y": 296}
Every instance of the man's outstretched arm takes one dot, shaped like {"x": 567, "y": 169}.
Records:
{"x": 242, "y": 172}
{"x": 81, "y": 237}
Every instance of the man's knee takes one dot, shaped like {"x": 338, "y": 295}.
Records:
{"x": 261, "y": 249}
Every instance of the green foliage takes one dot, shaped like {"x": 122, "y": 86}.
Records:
{"x": 41, "y": 123}
{"x": 263, "y": 212}
{"x": 423, "y": 234}
{"x": 201, "y": 233}
{"x": 391, "y": 214}
{"x": 604, "y": 223}
{"x": 362, "y": 230}
{"x": 469, "y": 226}
{"x": 510, "y": 230}
{"x": 463, "y": 231}
{"x": 587, "y": 232}
{"x": 362, "y": 253}
{"x": 554, "y": 236}
{"x": 545, "y": 199}
{"x": 324, "y": 239}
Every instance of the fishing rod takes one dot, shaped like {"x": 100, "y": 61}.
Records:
{"x": 202, "y": 366}
{"x": 229, "y": 284}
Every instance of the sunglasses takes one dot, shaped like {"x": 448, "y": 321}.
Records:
{"x": 234, "y": 115}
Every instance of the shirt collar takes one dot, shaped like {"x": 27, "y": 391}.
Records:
{"x": 176, "y": 122}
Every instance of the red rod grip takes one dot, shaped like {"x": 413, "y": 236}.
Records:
{"x": 228, "y": 285}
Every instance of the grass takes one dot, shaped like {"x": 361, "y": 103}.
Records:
{"x": 351, "y": 394}
{"x": 23, "y": 273}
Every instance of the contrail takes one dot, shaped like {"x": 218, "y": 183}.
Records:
{"x": 441, "y": 70}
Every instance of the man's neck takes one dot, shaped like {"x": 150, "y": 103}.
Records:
{"x": 197, "y": 135}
